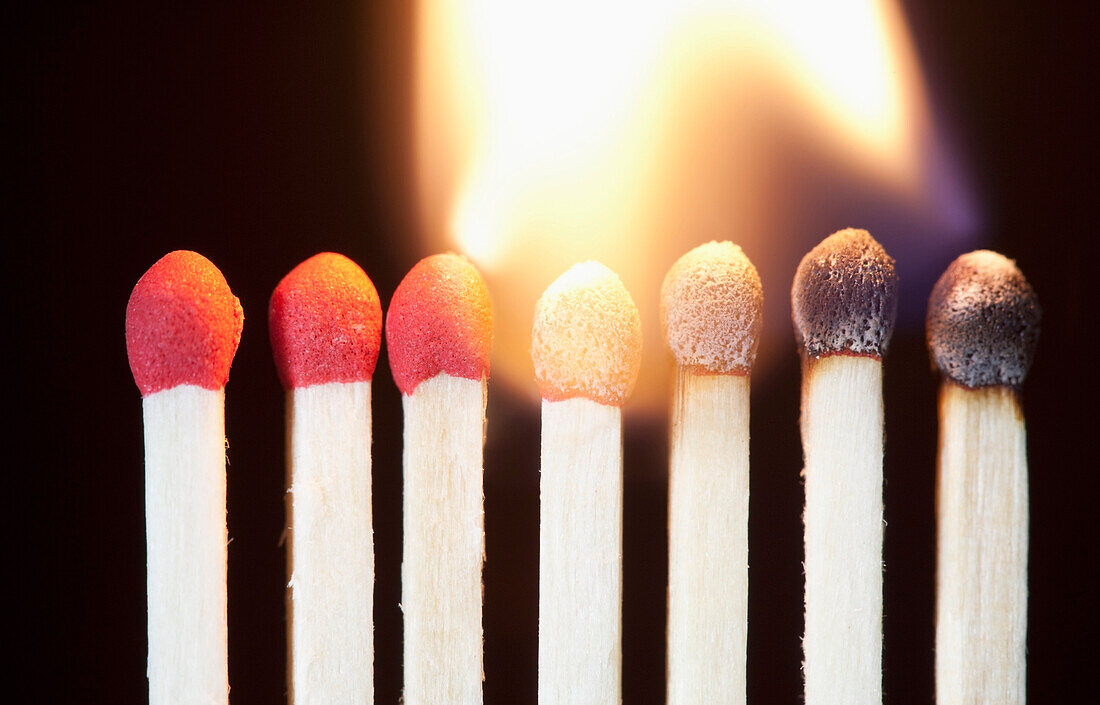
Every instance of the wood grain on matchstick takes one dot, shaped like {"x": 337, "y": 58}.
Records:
{"x": 842, "y": 422}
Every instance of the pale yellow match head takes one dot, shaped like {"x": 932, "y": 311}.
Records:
{"x": 587, "y": 337}
{"x": 712, "y": 309}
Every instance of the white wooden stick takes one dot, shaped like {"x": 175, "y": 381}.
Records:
{"x": 439, "y": 330}
{"x": 586, "y": 345}
{"x": 981, "y": 576}
{"x": 183, "y": 325}
{"x": 842, "y": 432}
{"x": 325, "y": 322}
{"x": 983, "y": 327}
{"x": 708, "y": 539}
{"x": 330, "y": 592}
{"x": 711, "y": 306}
{"x": 844, "y": 300}
{"x": 580, "y": 554}
{"x": 444, "y": 541}
{"x": 186, "y": 534}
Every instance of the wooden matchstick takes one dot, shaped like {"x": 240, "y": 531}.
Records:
{"x": 712, "y": 311}
{"x": 183, "y": 325}
{"x": 844, "y": 300}
{"x": 586, "y": 347}
{"x": 439, "y": 330}
{"x": 983, "y": 325}
{"x": 326, "y": 326}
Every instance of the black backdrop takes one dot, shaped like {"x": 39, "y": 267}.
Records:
{"x": 243, "y": 133}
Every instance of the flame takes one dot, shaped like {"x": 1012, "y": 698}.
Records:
{"x": 552, "y": 133}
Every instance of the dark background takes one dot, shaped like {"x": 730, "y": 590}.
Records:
{"x": 242, "y": 132}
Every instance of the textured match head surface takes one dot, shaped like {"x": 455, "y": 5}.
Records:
{"x": 183, "y": 325}
{"x": 983, "y": 321}
{"x": 440, "y": 320}
{"x": 587, "y": 337}
{"x": 845, "y": 296}
{"x": 712, "y": 307}
{"x": 325, "y": 323}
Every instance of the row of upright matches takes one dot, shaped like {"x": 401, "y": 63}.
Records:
{"x": 183, "y": 325}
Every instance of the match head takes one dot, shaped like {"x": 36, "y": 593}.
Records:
{"x": 183, "y": 325}
{"x": 712, "y": 309}
{"x": 587, "y": 337}
{"x": 325, "y": 322}
{"x": 440, "y": 320}
{"x": 845, "y": 296}
{"x": 983, "y": 321}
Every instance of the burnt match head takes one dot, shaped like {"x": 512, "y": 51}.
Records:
{"x": 440, "y": 320}
{"x": 587, "y": 337}
{"x": 983, "y": 321}
{"x": 712, "y": 306}
{"x": 325, "y": 323}
{"x": 845, "y": 296}
{"x": 183, "y": 325}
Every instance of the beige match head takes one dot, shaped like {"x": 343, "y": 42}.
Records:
{"x": 587, "y": 337}
{"x": 712, "y": 309}
{"x": 983, "y": 321}
{"x": 845, "y": 296}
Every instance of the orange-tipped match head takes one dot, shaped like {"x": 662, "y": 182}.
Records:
{"x": 325, "y": 323}
{"x": 712, "y": 308}
{"x": 439, "y": 320}
{"x": 183, "y": 325}
{"x": 587, "y": 337}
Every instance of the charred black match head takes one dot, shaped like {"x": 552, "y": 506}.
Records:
{"x": 845, "y": 296}
{"x": 983, "y": 321}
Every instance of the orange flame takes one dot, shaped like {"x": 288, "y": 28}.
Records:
{"x": 553, "y": 133}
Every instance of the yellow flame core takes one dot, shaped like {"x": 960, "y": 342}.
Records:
{"x": 553, "y": 133}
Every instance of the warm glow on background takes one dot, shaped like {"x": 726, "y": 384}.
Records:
{"x": 553, "y": 133}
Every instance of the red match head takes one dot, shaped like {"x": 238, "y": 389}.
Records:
{"x": 439, "y": 320}
{"x": 183, "y": 325}
{"x": 325, "y": 322}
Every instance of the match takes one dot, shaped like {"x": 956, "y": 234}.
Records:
{"x": 439, "y": 330}
{"x": 586, "y": 347}
{"x": 712, "y": 312}
{"x": 844, "y": 301}
{"x": 183, "y": 325}
{"x": 983, "y": 326}
{"x": 326, "y": 327}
